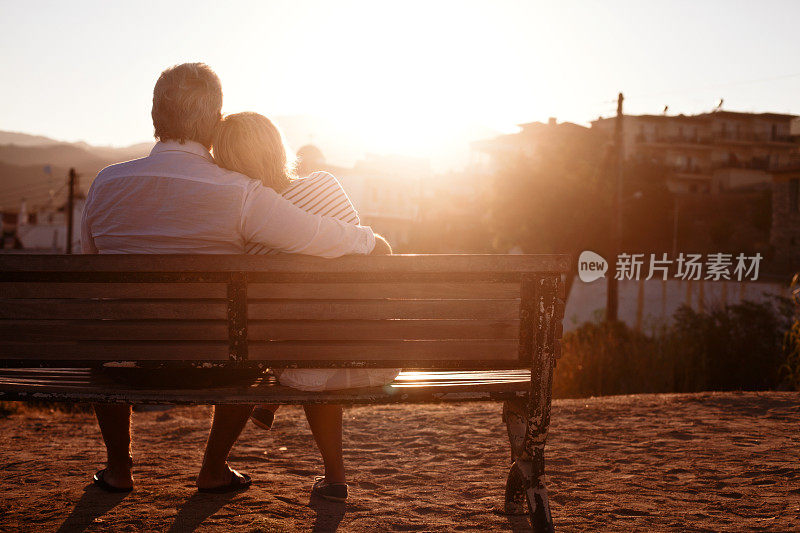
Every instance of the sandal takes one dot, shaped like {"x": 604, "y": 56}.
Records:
{"x": 101, "y": 483}
{"x": 238, "y": 482}
{"x": 334, "y": 492}
{"x": 263, "y": 418}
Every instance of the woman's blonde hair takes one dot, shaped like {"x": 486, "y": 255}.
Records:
{"x": 252, "y": 145}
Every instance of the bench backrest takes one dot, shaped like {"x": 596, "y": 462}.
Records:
{"x": 410, "y": 311}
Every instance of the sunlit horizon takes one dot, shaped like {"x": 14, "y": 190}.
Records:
{"x": 421, "y": 79}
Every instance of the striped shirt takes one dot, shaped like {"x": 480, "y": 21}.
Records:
{"x": 319, "y": 194}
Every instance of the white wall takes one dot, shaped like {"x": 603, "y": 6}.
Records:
{"x": 587, "y": 301}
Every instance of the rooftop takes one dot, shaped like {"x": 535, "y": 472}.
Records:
{"x": 705, "y": 117}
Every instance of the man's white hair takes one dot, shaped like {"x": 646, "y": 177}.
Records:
{"x": 187, "y": 104}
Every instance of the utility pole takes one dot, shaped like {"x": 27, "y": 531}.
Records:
{"x": 612, "y": 294}
{"x": 70, "y": 208}
{"x": 675, "y": 228}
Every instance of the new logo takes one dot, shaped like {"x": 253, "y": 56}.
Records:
{"x": 591, "y": 266}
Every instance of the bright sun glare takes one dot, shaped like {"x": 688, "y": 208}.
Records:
{"x": 406, "y": 84}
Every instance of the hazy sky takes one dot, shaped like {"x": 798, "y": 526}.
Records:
{"x": 403, "y": 74}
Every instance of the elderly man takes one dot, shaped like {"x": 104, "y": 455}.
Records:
{"x": 178, "y": 201}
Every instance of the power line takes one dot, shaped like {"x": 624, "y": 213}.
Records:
{"x": 698, "y": 88}
{"x": 26, "y": 189}
{"x": 720, "y": 85}
{"x": 16, "y": 197}
{"x": 32, "y": 188}
{"x": 38, "y": 194}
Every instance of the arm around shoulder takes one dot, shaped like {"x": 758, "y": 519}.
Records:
{"x": 272, "y": 220}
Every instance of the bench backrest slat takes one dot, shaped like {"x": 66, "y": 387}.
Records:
{"x": 35, "y": 331}
{"x": 408, "y": 311}
{"x": 111, "y": 290}
{"x": 358, "y": 330}
{"x": 379, "y": 291}
{"x": 113, "y": 309}
{"x": 496, "y": 351}
{"x": 117, "y": 351}
{"x": 383, "y": 309}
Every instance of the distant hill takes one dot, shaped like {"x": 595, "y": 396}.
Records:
{"x": 67, "y": 155}
{"x": 32, "y": 184}
{"x": 115, "y": 154}
{"x": 23, "y": 159}
{"x": 24, "y": 139}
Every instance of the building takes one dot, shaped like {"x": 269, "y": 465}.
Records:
{"x": 561, "y": 147}
{"x": 385, "y": 190}
{"x": 489, "y": 156}
{"x": 785, "y": 228}
{"x": 733, "y": 176}
{"x": 709, "y": 152}
{"x": 44, "y": 230}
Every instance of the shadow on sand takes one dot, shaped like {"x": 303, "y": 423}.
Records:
{"x": 93, "y": 504}
{"x": 519, "y": 523}
{"x": 329, "y": 514}
{"x": 196, "y": 509}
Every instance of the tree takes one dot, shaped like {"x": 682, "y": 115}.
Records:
{"x": 559, "y": 200}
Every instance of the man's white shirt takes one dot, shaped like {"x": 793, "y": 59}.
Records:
{"x": 177, "y": 200}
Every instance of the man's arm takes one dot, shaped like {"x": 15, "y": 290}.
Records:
{"x": 270, "y": 219}
{"x": 87, "y": 241}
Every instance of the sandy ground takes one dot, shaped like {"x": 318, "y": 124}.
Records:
{"x": 704, "y": 462}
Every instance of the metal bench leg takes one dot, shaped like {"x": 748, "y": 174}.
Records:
{"x": 517, "y": 426}
{"x": 528, "y": 418}
{"x": 536, "y": 492}
{"x": 525, "y": 483}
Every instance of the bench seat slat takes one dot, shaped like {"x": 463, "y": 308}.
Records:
{"x": 406, "y": 291}
{"x": 383, "y": 309}
{"x": 409, "y": 387}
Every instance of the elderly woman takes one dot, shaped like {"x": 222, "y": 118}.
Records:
{"x": 250, "y": 144}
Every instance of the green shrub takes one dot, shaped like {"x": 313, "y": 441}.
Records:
{"x": 610, "y": 358}
{"x": 733, "y": 347}
{"x": 790, "y": 369}
{"x": 728, "y": 348}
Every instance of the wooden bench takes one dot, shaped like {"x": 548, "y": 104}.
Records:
{"x": 464, "y": 328}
